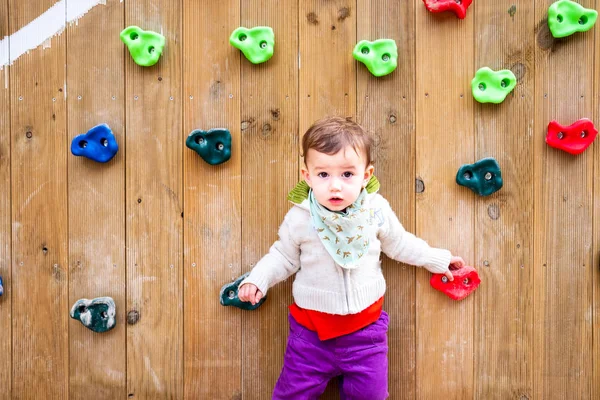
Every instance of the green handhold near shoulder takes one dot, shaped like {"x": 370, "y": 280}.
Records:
{"x": 489, "y": 86}
{"x": 213, "y": 146}
{"x": 97, "y": 314}
{"x": 145, "y": 47}
{"x": 257, "y": 43}
{"x": 228, "y": 295}
{"x": 566, "y": 17}
{"x": 380, "y": 56}
{"x": 483, "y": 177}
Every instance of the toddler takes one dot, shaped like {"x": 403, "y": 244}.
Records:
{"x": 332, "y": 239}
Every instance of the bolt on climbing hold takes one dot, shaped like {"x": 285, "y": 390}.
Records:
{"x": 466, "y": 280}
{"x": 458, "y": 7}
{"x": 380, "y": 56}
{"x": 97, "y": 314}
{"x": 214, "y": 146}
{"x": 573, "y": 139}
{"x": 566, "y": 17}
{"x": 256, "y": 43}
{"x": 483, "y": 177}
{"x": 229, "y": 295}
{"x": 98, "y": 144}
{"x": 145, "y": 47}
{"x": 489, "y": 86}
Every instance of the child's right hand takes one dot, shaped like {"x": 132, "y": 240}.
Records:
{"x": 249, "y": 292}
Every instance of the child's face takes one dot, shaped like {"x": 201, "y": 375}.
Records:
{"x": 337, "y": 179}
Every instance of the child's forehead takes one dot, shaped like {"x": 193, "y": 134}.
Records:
{"x": 348, "y": 155}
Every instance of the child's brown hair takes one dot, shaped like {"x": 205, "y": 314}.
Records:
{"x": 331, "y": 134}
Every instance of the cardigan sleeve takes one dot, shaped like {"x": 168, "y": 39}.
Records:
{"x": 405, "y": 247}
{"x": 283, "y": 258}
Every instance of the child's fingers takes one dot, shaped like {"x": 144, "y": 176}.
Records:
{"x": 449, "y": 276}
{"x": 259, "y": 295}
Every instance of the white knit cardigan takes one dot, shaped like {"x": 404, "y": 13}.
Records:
{"x": 321, "y": 284}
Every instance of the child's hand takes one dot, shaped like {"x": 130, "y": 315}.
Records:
{"x": 455, "y": 263}
{"x": 249, "y": 292}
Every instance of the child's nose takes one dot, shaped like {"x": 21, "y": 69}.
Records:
{"x": 335, "y": 184}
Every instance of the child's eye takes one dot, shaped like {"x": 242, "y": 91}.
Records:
{"x": 347, "y": 174}
{"x": 322, "y": 175}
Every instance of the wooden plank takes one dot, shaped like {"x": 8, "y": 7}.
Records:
{"x": 269, "y": 112}
{"x": 154, "y": 205}
{"x": 596, "y": 228}
{"x": 327, "y": 77}
{"x": 504, "y": 304}
{"x": 39, "y": 230}
{"x": 95, "y": 80}
{"x": 212, "y": 227}
{"x": 444, "y": 211}
{"x": 5, "y": 219}
{"x": 563, "y": 217}
{"x": 386, "y": 108}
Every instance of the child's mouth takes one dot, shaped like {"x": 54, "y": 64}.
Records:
{"x": 335, "y": 200}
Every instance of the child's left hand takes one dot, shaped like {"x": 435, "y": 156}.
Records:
{"x": 455, "y": 263}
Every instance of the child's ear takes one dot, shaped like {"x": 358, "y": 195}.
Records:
{"x": 368, "y": 174}
{"x": 306, "y": 176}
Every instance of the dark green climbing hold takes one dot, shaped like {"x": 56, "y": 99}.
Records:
{"x": 97, "y": 314}
{"x": 489, "y": 86}
{"x": 256, "y": 43}
{"x": 229, "y": 295}
{"x": 566, "y": 17}
{"x": 380, "y": 56}
{"x": 483, "y": 177}
{"x": 145, "y": 47}
{"x": 213, "y": 146}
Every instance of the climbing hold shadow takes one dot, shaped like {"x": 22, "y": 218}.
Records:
{"x": 574, "y": 138}
{"x": 97, "y": 314}
{"x": 380, "y": 56}
{"x": 229, "y": 295}
{"x": 256, "y": 43}
{"x": 567, "y": 17}
{"x": 457, "y": 7}
{"x": 213, "y": 146}
{"x": 145, "y": 47}
{"x": 98, "y": 144}
{"x": 489, "y": 86}
{"x": 1, "y": 287}
{"x": 483, "y": 177}
{"x": 466, "y": 280}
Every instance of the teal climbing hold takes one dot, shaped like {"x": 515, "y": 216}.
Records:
{"x": 566, "y": 17}
{"x": 97, "y": 314}
{"x": 380, "y": 56}
{"x": 145, "y": 47}
{"x": 491, "y": 86}
{"x": 483, "y": 177}
{"x": 213, "y": 146}
{"x": 256, "y": 43}
{"x": 229, "y": 295}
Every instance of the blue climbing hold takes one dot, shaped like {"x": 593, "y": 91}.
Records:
{"x": 1, "y": 287}
{"x": 229, "y": 295}
{"x": 483, "y": 177}
{"x": 98, "y": 144}
{"x": 213, "y": 146}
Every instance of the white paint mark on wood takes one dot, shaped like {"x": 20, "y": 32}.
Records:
{"x": 41, "y": 30}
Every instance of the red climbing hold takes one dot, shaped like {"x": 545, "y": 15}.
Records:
{"x": 465, "y": 282}
{"x": 574, "y": 138}
{"x": 458, "y": 7}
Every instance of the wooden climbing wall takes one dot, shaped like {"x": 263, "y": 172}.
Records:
{"x": 160, "y": 231}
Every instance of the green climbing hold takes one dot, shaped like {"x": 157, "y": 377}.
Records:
{"x": 228, "y": 296}
{"x": 256, "y": 43}
{"x": 566, "y": 17}
{"x": 483, "y": 177}
{"x": 97, "y": 314}
{"x": 491, "y": 86}
{"x": 144, "y": 46}
{"x": 380, "y": 56}
{"x": 213, "y": 146}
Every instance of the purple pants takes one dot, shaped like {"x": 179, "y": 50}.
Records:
{"x": 360, "y": 359}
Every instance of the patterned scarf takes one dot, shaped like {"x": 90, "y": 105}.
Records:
{"x": 345, "y": 235}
